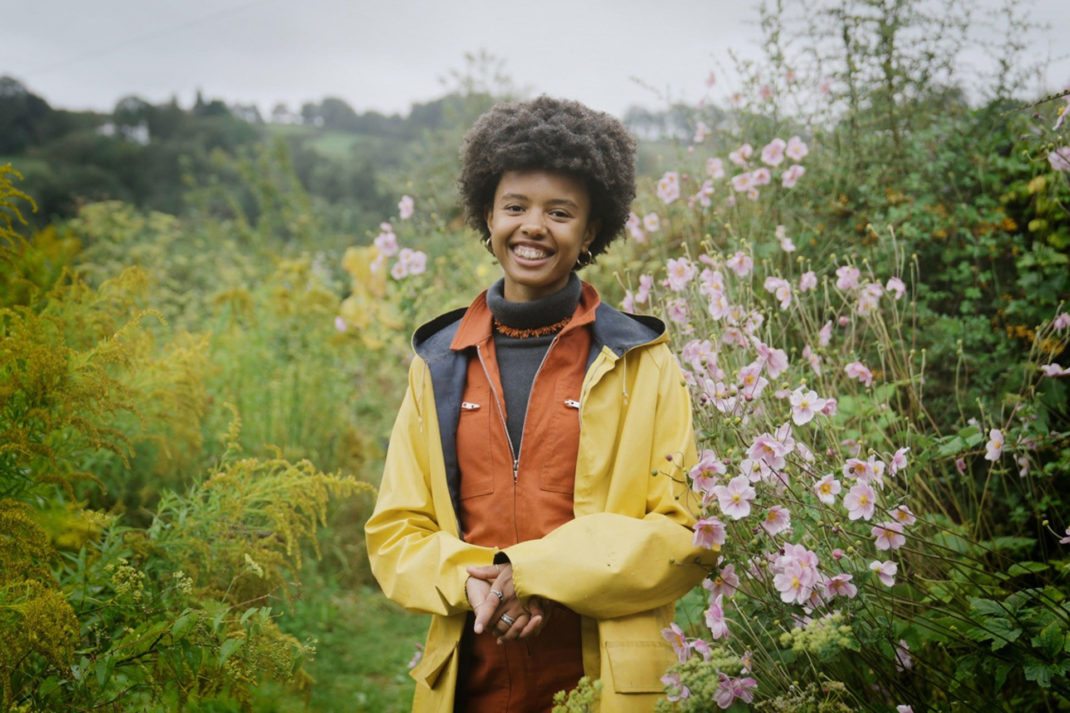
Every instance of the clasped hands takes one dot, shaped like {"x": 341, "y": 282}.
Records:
{"x": 493, "y": 598}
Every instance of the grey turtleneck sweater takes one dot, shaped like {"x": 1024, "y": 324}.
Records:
{"x": 519, "y": 358}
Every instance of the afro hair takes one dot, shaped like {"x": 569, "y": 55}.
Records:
{"x": 551, "y": 135}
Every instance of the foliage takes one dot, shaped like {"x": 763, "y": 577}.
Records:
{"x": 145, "y": 153}
{"x": 879, "y": 487}
{"x": 88, "y": 392}
{"x": 581, "y": 699}
{"x": 97, "y": 609}
{"x": 866, "y": 280}
{"x": 693, "y": 685}
{"x": 801, "y": 380}
{"x": 363, "y": 643}
{"x": 172, "y": 614}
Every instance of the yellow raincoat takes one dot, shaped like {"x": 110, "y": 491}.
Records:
{"x": 620, "y": 564}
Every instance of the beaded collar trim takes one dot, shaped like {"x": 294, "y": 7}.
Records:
{"x": 529, "y": 333}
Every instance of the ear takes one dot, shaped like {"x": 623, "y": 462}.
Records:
{"x": 592, "y": 232}
{"x": 488, "y": 212}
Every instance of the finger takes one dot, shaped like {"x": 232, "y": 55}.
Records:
{"x": 534, "y": 626}
{"x": 486, "y": 571}
{"x": 504, "y": 584}
{"x": 513, "y": 630}
{"x": 506, "y": 588}
{"x": 543, "y": 607}
{"x": 536, "y": 607}
{"x": 477, "y": 592}
{"x": 485, "y": 614}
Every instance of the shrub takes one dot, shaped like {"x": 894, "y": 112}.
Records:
{"x": 174, "y": 603}
{"x": 868, "y": 550}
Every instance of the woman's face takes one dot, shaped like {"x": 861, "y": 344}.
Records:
{"x": 539, "y": 225}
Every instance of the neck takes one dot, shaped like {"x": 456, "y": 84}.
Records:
{"x": 537, "y": 313}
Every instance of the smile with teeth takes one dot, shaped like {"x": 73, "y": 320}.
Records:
{"x": 530, "y": 252}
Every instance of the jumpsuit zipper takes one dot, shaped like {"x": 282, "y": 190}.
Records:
{"x": 514, "y": 453}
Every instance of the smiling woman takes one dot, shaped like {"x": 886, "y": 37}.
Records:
{"x": 517, "y": 504}
{"x": 540, "y": 227}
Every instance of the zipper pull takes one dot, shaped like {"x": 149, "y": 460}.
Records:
{"x": 469, "y": 406}
{"x": 516, "y": 466}
{"x": 572, "y": 403}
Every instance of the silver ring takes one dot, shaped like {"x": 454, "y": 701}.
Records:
{"x": 507, "y": 619}
{"x": 501, "y": 597}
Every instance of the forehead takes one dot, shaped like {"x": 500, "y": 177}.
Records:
{"x": 543, "y": 186}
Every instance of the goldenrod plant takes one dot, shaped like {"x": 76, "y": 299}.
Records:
{"x": 115, "y": 598}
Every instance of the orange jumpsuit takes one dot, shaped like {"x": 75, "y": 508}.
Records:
{"x": 508, "y": 497}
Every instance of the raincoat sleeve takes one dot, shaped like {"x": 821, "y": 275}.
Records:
{"x": 609, "y": 564}
{"x": 413, "y": 546}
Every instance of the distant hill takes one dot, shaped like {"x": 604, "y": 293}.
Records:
{"x": 350, "y": 163}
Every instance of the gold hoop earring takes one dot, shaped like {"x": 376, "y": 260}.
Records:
{"x": 486, "y": 244}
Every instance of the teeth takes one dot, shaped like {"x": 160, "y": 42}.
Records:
{"x": 531, "y": 253}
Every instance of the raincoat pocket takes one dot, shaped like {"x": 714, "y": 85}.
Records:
{"x": 432, "y": 664}
{"x": 637, "y": 666}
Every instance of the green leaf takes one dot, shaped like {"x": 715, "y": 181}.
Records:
{"x": 1015, "y": 601}
{"x": 248, "y": 613}
{"x": 228, "y": 648}
{"x": 999, "y": 676}
{"x": 987, "y": 607}
{"x": 1009, "y": 543}
{"x": 78, "y": 669}
{"x": 1003, "y": 632}
{"x": 953, "y": 541}
{"x": 48, "y": 685}
{"x": 1038, "y": 672}
{"x": 182, "y": 624}
{"x": 1058, "y": 596}
{"x": 1051, "y": 640}
{"x": 847, "y": 406}
{"x": 941, "y": 593}
{"x": 194, "y": 658}
{"x": 884, "y": 393}
{"x": 951, "y": 446}
{"x": 1020, "y": 568}
{"x": 217, "y": 620}
{"x": 104, "y": 670}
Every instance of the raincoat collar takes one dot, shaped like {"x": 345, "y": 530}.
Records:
{"x": 441, "y": 344}
{"x": 610, "y": 328}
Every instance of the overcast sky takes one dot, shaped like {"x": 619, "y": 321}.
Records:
{"x": 387, "y": 54}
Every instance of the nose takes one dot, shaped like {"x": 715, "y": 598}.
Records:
{"x": 534, "y": 225}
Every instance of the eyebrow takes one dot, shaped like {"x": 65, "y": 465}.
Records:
{"x": 555, "y": 201}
